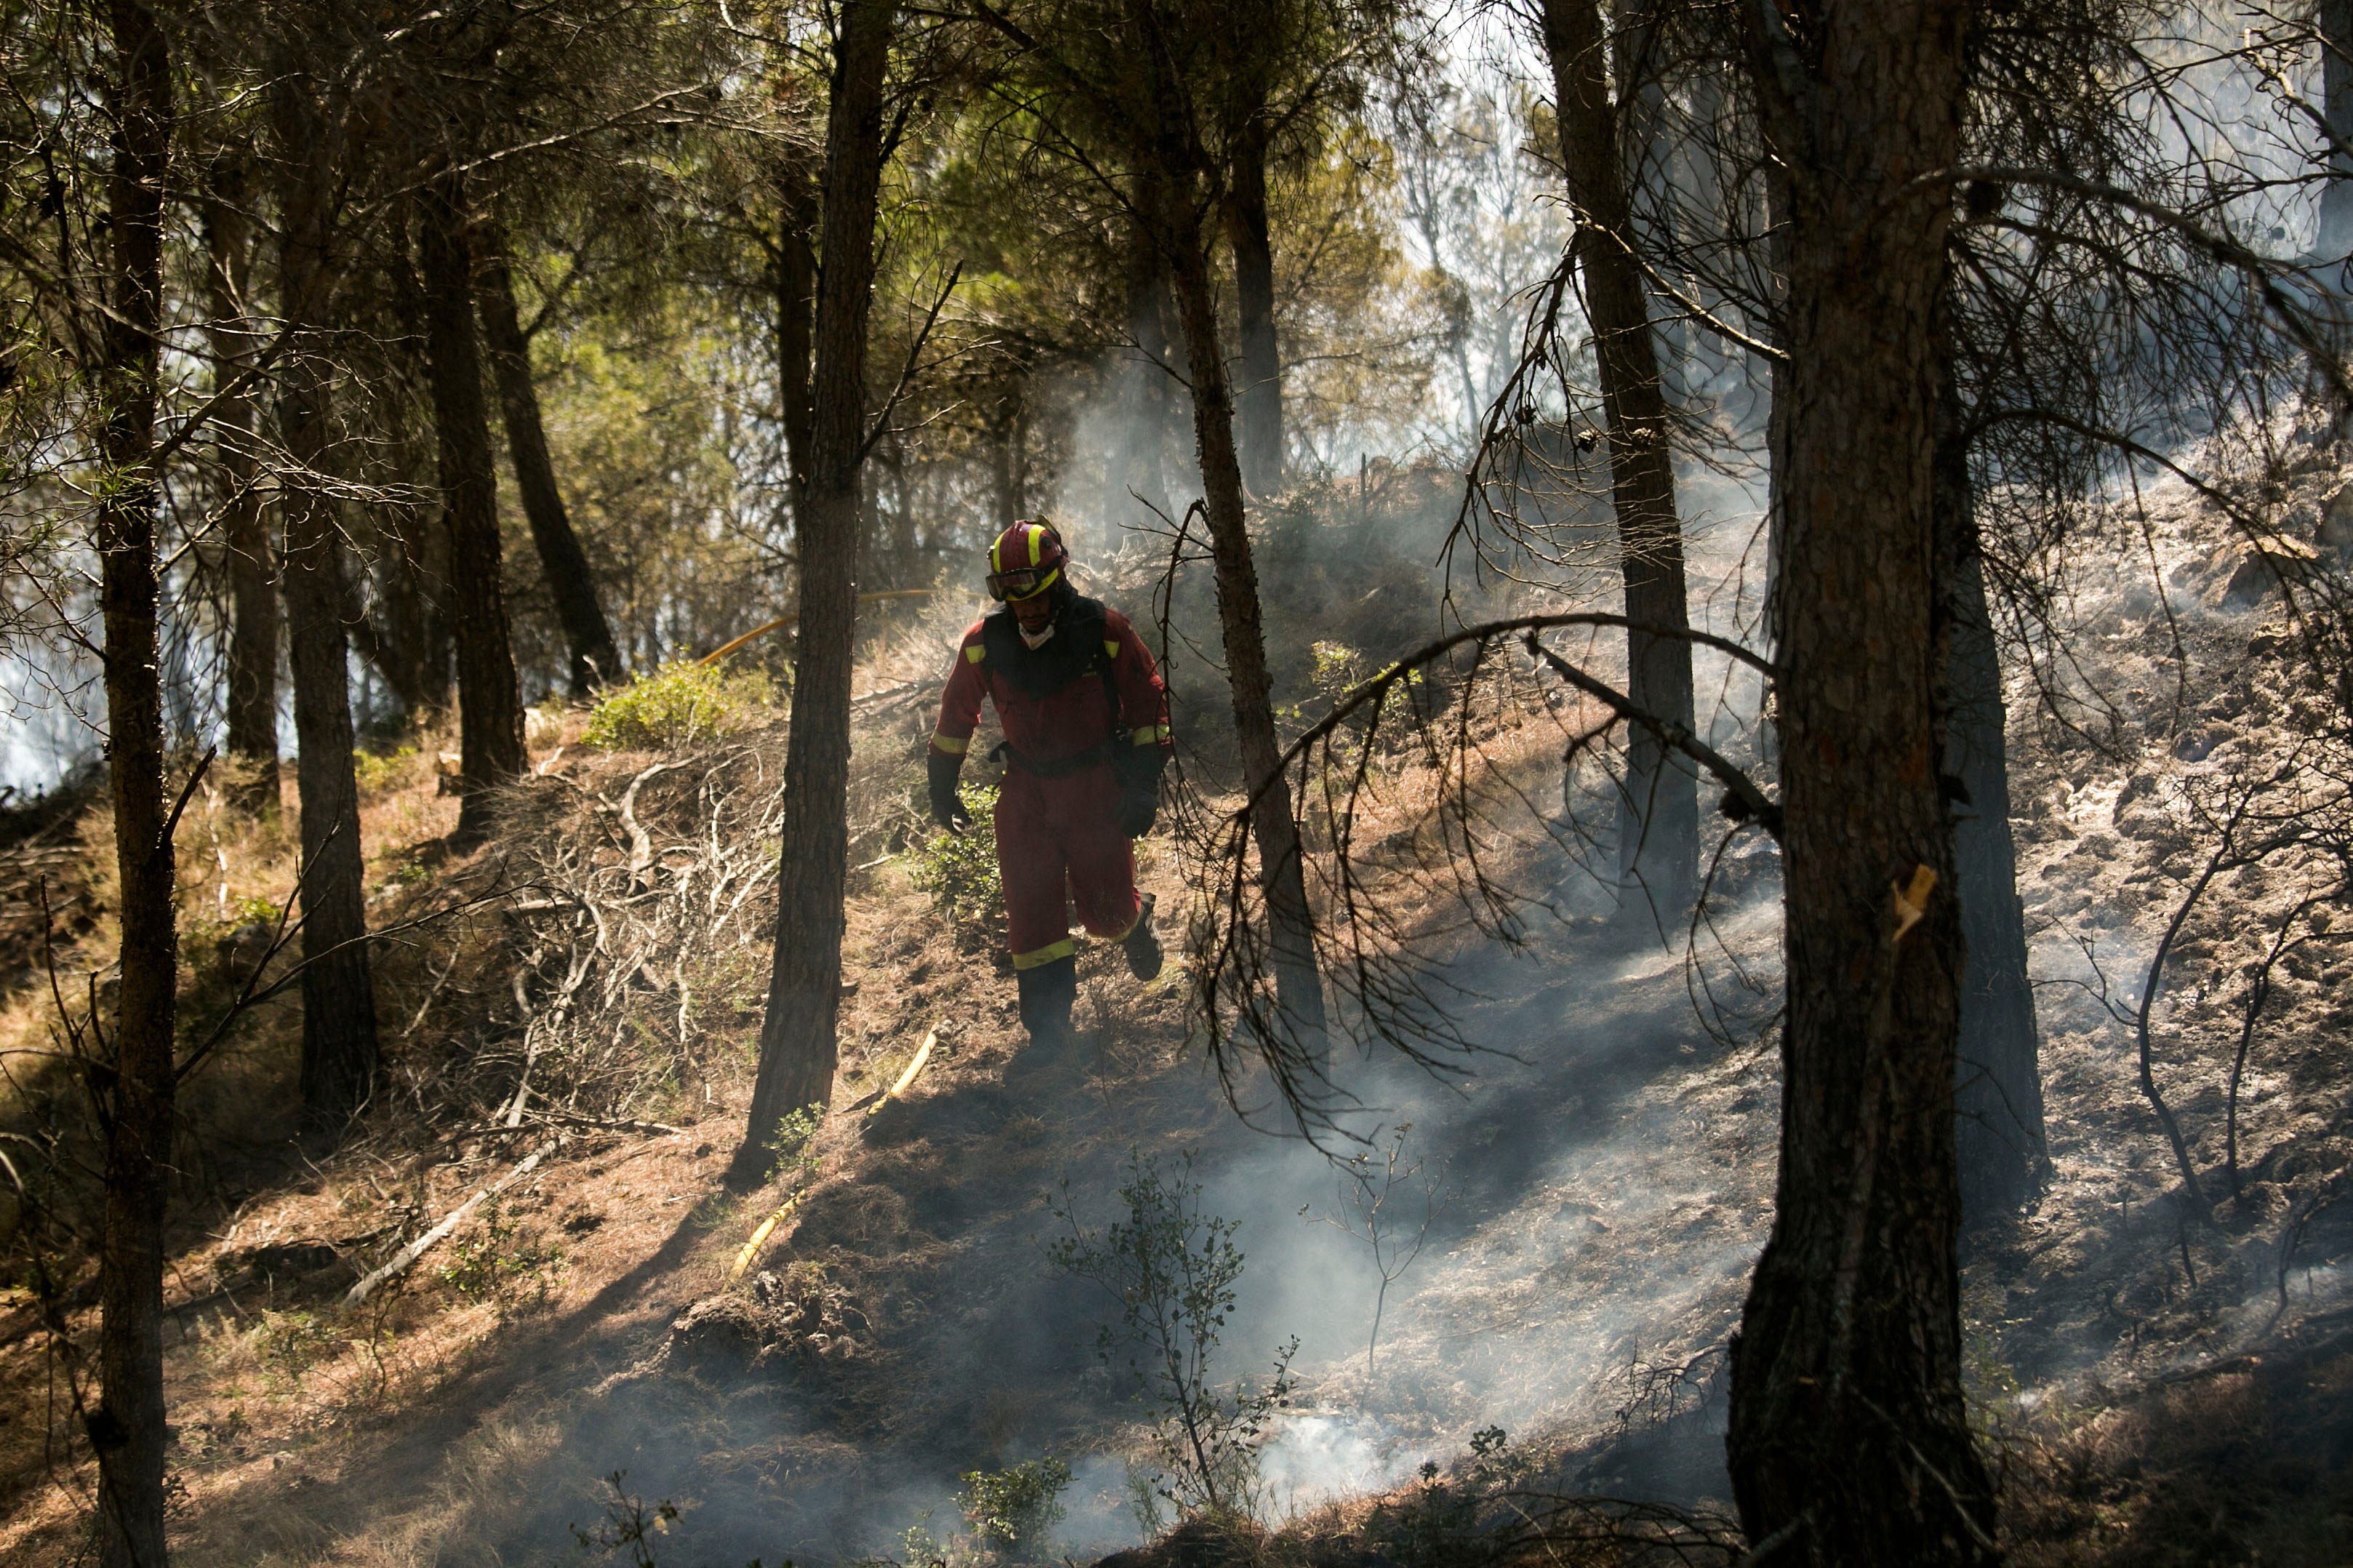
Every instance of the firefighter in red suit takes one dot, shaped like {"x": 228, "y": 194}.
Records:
{"x": 1086, "y": 736}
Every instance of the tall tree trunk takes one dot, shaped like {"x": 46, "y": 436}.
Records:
{"x": 798, "y": 1039}
{"x": 338, "y": 1034}
{"x": 587, "y": 635}
{"x": 796, "y": 317}
{"x": 127, "y": 1428}
{"x": 489, "y": 698}
{"x": 245, "y": 528}
{"x": 1138, "y": 465}
{"x": 1848, "y": 1441}
{"x": 1009, "y": 436}
{"x": 1260, "y": 404}
{"x": 1658, "y": 818}
{"x": 1700, "y": 178}
{"x": 1179, "y": 230}
{"x": 1998, "y": 1093}
{"x": 2335, "y": 19}
{"x": 402, "y": 650}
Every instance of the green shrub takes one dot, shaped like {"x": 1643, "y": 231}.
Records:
{"x": 1439, "y": 1525}
{"x": 1014, "y": 1511}
{"x": 376, "y": 773}
{"x": 677, "y": 704}
{"x": 294, "y": 1342}
{"x": 794, "y": 1133}
{"x": 1338, "y": 668}
{"x": 251, "y": 909}
{"x": 959, "y": 870}
{"x": 503, "y": 1264}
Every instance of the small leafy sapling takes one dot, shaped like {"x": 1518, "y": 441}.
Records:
{"x": 505, "y": 1263}
{"x": 1014, "y": 1511}
{"x": 795, "y": 1144}
{"x": 1437, "y": 1524}
{"x": 1172, "y": 1267}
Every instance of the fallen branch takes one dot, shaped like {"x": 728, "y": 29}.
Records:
{"x": 641, "y": 843}
{"x": 408, "y": 1255}
{"x": 650, "y": 1129}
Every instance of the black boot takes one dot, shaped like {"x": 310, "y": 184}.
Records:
{"x": 1141, "y": 944}
{"x": 1047, "y": 994}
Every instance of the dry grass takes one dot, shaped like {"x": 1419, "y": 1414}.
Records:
{"x": 439, "y": 1425}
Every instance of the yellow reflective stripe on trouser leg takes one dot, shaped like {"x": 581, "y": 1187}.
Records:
{"x": 1046, "y": 954}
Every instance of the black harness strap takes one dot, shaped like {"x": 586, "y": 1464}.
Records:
{"x": 1076, "y": 652}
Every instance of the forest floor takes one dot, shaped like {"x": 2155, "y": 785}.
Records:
{"x": 1591, "y": 1188}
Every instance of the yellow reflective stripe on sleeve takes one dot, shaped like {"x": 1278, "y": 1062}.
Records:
{"x": 976, "y": 652}
{"x": 1046, "y": 954}
{"x": 1110, "y": 650}
{"x": 1124, "y": 932}
{"x": 1151, "y": 734}
{"x": 950, "y": 745}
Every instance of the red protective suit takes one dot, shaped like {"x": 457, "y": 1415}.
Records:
{"x": 1064, "y": 706}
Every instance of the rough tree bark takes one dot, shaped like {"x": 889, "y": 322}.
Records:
{"x": 796, "y": 317}
{"x": 1179, "y": 231}
{"x": 489, "y": 698}
{"x": 2336, "y": 23}
{"x": 1259, "y": 394}
{"x": 126, "y": 1429}
{"x": 1848, "y": 1442}
{"x": 588, "y": 638}
{"x": 244, "y": 527}
{"x": 1658, "y": 817}
{"x": 798, "y": 1039}
{"x": 1998, "y": 1093}
{"x": 338, "y": 1034}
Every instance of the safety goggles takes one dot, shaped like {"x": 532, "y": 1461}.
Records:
{"x": 1021, "y": 582}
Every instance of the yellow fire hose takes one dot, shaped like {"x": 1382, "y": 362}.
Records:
{"x": 752, "y": 1248}
{"x": 750, "y": 1251}
{"x": 724, "y": 649}
{"x": 922, "y": 1055}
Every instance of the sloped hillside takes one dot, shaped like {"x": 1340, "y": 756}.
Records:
{"x": 605, "y": 1331}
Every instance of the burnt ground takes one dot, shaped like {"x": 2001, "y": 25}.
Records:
{"x": 2157, "y": 1386}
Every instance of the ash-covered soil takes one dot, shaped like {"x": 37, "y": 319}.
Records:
{"x": 2161, "y": 1381}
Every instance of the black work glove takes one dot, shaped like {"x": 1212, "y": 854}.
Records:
{"x": 947, "y": 806}
{"x": 1139, "y": 789}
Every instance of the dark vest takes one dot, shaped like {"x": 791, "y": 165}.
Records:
{"x": 1074, "y": 652}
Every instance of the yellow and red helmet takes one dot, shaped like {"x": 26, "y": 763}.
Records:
{"x": 1027, "y": 559}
